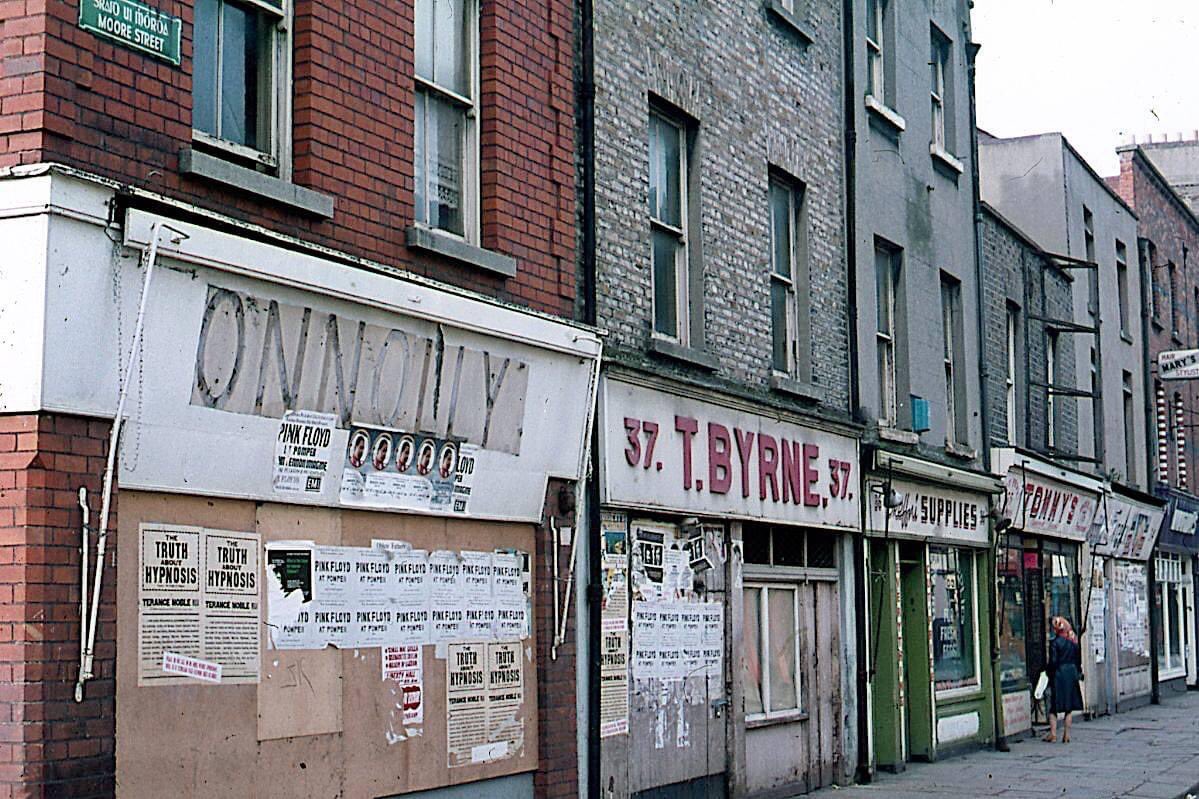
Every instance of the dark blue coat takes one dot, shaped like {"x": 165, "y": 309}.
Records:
{"x": 1065, "y": 670}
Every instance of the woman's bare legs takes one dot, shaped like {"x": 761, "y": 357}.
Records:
{"x": 1066, "y": 734}
{"x": 1052, "y": 736}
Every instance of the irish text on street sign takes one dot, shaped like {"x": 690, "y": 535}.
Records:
{"x": 1178, "y": 365}
{"x": 134, "y": 25}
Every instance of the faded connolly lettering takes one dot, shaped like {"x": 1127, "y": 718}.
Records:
{"x": 260, "y": 357}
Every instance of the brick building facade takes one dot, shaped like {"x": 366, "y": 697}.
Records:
{"x": 355, "y": 177}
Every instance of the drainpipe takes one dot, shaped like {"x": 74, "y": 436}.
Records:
{"x": 984, "y": 400}
{"x": 1147, "y": 386}
{"x": 585, "y": 101}
{"x": 865, "y": 772}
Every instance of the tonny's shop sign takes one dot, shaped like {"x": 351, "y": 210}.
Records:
{"x": 133, "y": 25}
{"x": 664, "y": 451}
{"x": 1037, "y": 504}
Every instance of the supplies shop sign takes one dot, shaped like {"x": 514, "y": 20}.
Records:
{"x": 930, "y": 511}
{"x": 676, "y": 453}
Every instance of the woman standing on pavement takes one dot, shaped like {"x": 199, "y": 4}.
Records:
{"x": 1065, "y": 671}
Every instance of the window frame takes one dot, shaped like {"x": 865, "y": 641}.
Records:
{"x": 1088, "y": 238}
{"x": 797, "y": 323}
{"x": 278, "y": 102}
{"x": 876, "y": 50}
{"x": 887, "y": 341}
{"x": 1122, "y": 289}
{"x": 1051, "y": 359}
{"x": 1012, "y": 321}
{"x": 1129, "y": 430}
{"x": 471, "y": 167}
{"x": 940, "y": 91}
{"x": 682, "y": 234}
{"x": 956, "y": 425}
{"x": 976, "y": 687}
{"x": 763, "y": 584}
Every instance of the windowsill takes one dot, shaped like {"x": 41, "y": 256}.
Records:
{"x": 1172, "y": 675}
{"x": 886, "y": 115}
{"x": 784, "y": 384}
{"x": 960, "y": 451}
{"x": 419, "y": 237}
{"x": 957, "y": 694}
{"x": 1157, "y": 324}
{"x": 1126, "y": 336}
{"x": 688, "y": 355}
{"x": 944, "y": 159}
{"x": 770, "y": 721}
{"x": 1177, "y": 339}
{"x": 889, "y": 433}
{"x": 218, "y": 170}
{"x": 790, "y": 21}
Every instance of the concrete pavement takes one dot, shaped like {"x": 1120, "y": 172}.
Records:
{"x": 1150, "y": 753}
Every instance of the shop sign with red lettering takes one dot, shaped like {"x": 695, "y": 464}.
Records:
{"x": 664, "y": 451}
{"x": 927, "y": 510}
{"x": 1037, "y": 504}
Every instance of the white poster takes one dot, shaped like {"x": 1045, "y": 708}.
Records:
{"x": 198, "y": 599}
{"x": 302, "y": 452}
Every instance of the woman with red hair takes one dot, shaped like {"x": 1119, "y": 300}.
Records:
{"x": 1065, "y": 671}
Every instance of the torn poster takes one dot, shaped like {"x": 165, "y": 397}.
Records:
{"x": 614, "y": 676}
{"x": 403, "y": 664}
{"x": 302, "y": 452}
{"x": 198, "y": 597}
{"x": 509, "y": 572}
{"x": 394, "y": 469}
{"x": 674, "y": 640}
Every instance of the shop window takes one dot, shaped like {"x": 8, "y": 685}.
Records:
{"x": 955, "y": 662}
{"x": 771, "y": 661}
{"x": 1169, "y": 595}
{"x": 1061, "y": 580}
{"x": 1013, "y": 664}
{"x": 237, "y": 77}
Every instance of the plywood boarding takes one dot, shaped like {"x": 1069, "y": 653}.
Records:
{"x": 318, "y": 724}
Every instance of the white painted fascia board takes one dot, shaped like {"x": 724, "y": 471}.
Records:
{"x": 230, "y": 253}
{"x": 1003, "y": 459}
{"x": 23, "y": 287}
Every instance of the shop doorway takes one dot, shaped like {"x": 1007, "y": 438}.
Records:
{"x": 917, "y": 688}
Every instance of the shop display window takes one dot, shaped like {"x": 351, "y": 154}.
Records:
{"x": 955, "y": 662}
{"x": 1169, "y": 596}
{"x": 1013, "y": 663}
{"x": 771, "y": 671}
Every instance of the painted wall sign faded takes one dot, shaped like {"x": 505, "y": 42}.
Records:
{"x": 666, "y": 451}
{"x": 261, "y": 357}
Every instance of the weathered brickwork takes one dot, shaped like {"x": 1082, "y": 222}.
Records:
{"x": 69, "y": 96}
{"x": 759, "y": 97}
{"x": 1170, "y": 235}
{"x": 49, "y": 745}
{"x": 1016, "y": 274}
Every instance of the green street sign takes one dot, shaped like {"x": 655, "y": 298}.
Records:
{"x": 134, "y": 25}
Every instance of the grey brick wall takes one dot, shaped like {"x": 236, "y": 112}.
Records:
{"x": 1016, "y": 272}
{"x": 761, "y": 97}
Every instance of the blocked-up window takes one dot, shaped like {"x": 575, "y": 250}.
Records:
{"x": 446, "y": 138}
{"x": 771, "y": 659}
{"x": 240, "y": 53}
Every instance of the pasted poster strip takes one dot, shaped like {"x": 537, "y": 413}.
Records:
{"x": 614, "y": 677}
{"x": 387, "y": 468}
{"x": 198, "y": 599}
{"x": 403, "y": 664}
{"x": 392, "y": 595}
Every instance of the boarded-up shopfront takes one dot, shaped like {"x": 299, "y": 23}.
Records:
{"x": 1123, "y": 538}
{"x": 329, "y": 551}
{"x": 931, "y": 609}
{"x": 726, "y": 561}
{"x": 1041, "y": 573}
